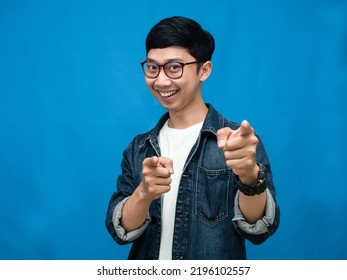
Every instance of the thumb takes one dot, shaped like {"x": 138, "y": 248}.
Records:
{"x": 166, "y": 163}
{"x": 223, "y": 135}
{"x": 245, "y": 128}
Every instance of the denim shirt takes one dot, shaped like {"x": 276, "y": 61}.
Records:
{"x": 208, "y": 223}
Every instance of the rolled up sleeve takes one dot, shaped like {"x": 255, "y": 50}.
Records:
{"x": 263, "y": 224}
{"x": 120, "y": 231}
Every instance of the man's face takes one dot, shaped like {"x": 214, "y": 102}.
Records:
{"x": 175, "y": 94}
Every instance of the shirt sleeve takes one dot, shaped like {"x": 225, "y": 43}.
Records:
{"x": 261, "y": 226}
{"x": 120, "y": 231}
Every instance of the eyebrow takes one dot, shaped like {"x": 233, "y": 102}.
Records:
{"x": 178, "y": 59}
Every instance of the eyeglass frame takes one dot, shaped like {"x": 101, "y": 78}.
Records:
{"x": 163, "y": 66}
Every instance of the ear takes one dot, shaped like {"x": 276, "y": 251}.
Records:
{"x": 205, "y": 70}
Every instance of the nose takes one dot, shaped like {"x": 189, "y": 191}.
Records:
{"x": 162, "y": 80}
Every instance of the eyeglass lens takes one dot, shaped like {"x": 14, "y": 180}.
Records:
{"x": 173, "y": 70}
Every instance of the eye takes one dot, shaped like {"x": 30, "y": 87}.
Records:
{"x": 173, "y": 67}
{"x": 152, "y": 67}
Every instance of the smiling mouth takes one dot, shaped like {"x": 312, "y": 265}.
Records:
{"x": 167, "y": 94}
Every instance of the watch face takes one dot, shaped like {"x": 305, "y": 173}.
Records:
{"x": 262, "y": 172}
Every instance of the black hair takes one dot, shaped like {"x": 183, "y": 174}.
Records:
{"x": 183, "y": 32}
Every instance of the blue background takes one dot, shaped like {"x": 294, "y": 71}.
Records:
{"x": 72, "y": 96}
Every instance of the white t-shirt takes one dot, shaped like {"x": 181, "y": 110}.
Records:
{"x": 176, "y": 145}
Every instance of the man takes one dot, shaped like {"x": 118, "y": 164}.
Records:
{"x": 197, "y": 185}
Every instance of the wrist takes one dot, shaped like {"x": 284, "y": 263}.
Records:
{"x": 142, "y": 194}
{"x": 250, "y": 178}
{"x": 258, "y": 187}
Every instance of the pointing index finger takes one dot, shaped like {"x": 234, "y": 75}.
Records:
{"x": 245, "y": 128}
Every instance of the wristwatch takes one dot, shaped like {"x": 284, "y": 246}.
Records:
{"x": 258, "y": 188}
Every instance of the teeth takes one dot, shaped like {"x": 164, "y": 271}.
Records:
{"x": 167, "y": 94}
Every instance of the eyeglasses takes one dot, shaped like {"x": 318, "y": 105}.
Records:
{"x": 172, "y": 69}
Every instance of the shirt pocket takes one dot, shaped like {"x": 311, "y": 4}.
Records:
{"x": 211, "y": 201}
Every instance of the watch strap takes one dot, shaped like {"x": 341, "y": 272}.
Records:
{"x": 258, "y": 188}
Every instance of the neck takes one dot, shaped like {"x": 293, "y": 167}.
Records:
{"x": 188, "y": 118}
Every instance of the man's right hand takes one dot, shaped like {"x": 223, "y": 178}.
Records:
{"x": 156, "y": 176}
